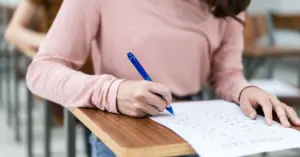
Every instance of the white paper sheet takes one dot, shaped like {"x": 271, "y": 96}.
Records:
{"x": 276, "y": 87}
{"x": 219, "y": 129}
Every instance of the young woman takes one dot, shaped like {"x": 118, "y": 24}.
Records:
{"x": 181, "y": 43}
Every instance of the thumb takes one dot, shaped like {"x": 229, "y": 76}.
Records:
{"x": 248, "y": 110}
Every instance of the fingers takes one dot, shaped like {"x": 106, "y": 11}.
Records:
{"x": 156, "y": 101}
{"x": 291, "y": 114}
{"x": 150, "y": 110}
{"x": 146, "y": 97}
{"x": 248, "y": 109}
{"x": 142, "y": 107}
{"x": 280, "y": 111}
{"x": 267, "y": 109}
{"x": 136, "y": 113}
{"x": 161, "y": 90}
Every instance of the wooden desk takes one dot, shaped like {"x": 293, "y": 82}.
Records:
{"x": 271, "y": 52}
{"x": 256, "y": 56}
{"x": 133, "y": 137}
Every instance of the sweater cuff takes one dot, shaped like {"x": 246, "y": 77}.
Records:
{"x": 112, "y": 96}
{"x": 239, "y": 87}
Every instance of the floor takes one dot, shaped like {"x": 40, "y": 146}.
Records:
{"x": 9, "y": 148}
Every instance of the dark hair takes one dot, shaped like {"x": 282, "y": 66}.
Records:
{"x": 228, "y": 8}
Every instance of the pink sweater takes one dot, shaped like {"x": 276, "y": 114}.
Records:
{"x": 179, "y": 43}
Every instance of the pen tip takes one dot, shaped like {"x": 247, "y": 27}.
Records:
{"x": 170, "y": 109}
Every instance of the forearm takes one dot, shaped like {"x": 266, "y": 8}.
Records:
{"x": 28, "y": 51}
{"x": 22, "y": 37}
{"x": 53, "y": 79}
{"x": 228, "y": 86}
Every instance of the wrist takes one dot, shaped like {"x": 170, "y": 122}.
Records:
{"x": 241, "y": 92}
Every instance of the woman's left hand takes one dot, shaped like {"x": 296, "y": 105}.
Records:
{"x": 253, "y": 97}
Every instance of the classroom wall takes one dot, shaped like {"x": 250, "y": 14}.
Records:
{"x": 289, "y": 6}
{"x": 262, "y": 6}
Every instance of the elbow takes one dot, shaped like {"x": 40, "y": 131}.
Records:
{"x": 11, "y": 34}
{"x": 30, "y": 79}
{"x": 8, "y": 34}
{"x": 33, "y": 77}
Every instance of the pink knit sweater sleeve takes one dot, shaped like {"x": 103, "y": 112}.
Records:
{"x": 227, "y": 77}
{"x": 53, "y": 73}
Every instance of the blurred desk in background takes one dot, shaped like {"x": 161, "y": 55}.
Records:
{"x": 256, "y": 56}
{"x": 271, "y": 52}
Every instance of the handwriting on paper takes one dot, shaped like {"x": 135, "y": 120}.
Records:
{"x": 222, "y": 126}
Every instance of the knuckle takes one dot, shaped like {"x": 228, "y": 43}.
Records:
{"x": 289, "y": 107}
{"x": 134, "y": 113}
{"x": 243, "y": 108}
{"x": 167, "y": 90}
{"x": 156, "y": 113}
{"x": 279, "y": 107}
{"x": 140, "y": 95}
{"x": 164, "y": 88}
{"x": 283, "y": 104}
{"x": 137, "y": 107}
{"x": 147, "y": 83}
{"x": 161, "y": 109}
{"x": 281, "y": 114}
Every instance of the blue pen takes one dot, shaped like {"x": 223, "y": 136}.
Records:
{"x": 143, "y": 73}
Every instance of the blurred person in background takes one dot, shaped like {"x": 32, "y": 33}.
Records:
{"x": 38, "y": 14}
{"x": 27, "y": 29}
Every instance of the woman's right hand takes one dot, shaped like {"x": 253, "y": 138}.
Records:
{"x": 139, "y": 98}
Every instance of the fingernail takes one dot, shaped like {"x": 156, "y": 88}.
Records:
{"x": 253, "y": 115}
{"x": 269, "y": 122}
{"x": 287, "y": 124}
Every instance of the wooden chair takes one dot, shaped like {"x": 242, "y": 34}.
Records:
{"x": 255, "y": 55}
{"x": 286, "y": 21}
{"x": 289, "y": 22}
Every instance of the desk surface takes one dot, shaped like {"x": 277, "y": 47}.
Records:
{"x": 131, "y": 137}
{"x": 271, "y": 51}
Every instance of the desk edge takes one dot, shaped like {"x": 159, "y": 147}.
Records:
{"x": 132, "y": 152}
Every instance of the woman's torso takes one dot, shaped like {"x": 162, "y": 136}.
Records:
{"x": 174, "y": 40}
